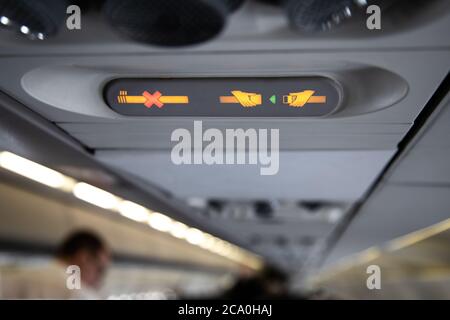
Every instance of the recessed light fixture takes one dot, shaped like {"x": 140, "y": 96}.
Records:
{"x": 4, "y": 20}
{"x": 35, "y": 20}
{"x": 24, "y": 29}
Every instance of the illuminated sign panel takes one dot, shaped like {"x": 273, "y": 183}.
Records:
{"x": 224, "y": 97}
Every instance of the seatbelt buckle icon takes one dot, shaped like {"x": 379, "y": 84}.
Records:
{"x": 300, "y": 99}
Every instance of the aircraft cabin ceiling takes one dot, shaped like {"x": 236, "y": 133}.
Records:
{"x": 328, "y": 165}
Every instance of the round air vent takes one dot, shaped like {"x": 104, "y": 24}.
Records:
{"x": 37, "y": 19}
{"x": 169, "y": 22}
{"x": 319, "y": 15}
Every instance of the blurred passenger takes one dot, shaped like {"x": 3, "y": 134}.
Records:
{"x": 269, "y": 283}
{"x": 82, "y": 249}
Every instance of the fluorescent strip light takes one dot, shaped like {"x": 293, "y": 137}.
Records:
{"x": 179, "y": 230}
{"x": 133, "y": 211}
{"x": 160, "y": 222}
{"x": 208, "y": 241}
{"x": 128, "y": 209}
{"x": 194, "y": 236}
{"x": 95, "y": 196}
{"x": 219, "y": 246}
{"x": 34, "y": 171}
{"x": 419, "y": 235}
{"x": 368, "y": 255}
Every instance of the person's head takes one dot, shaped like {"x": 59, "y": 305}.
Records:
{"x": 274, "y": 280}
{"x": 86, "y": 250}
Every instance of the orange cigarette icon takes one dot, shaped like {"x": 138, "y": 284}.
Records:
{"x": 245, "y": 99}
{"x": 299, "y": 99}
{"x": 149, "y": 99}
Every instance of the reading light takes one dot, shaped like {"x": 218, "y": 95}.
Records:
{"x": 34, "y": 171}
{"x": 95, "y": 196}
{"x": 37, "y": 19}
{"x": 24, "y": 29}
{"x": 4, "y": 20}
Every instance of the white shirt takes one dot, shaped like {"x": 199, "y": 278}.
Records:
{"x": 46, "y": 282}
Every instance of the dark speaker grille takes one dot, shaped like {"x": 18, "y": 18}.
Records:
{"x": 169, "y": 22}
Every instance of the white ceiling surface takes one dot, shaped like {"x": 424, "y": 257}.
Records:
{"x": 428, "y": 162}
{"x": 154, "y": 134}
{"x": 301, "y": 228}
{"x": 414, "y": 195}
{"x": 316, "y": 135}
{"x": 327, "y": 159}
{"x": 334, "y": 176}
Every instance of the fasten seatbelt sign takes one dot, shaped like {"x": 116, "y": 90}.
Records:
{"x": 224, "y": 97}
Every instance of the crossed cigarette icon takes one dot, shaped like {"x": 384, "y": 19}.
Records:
{"x": 149, "y": 100}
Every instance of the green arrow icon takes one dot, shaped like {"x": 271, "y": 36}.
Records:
{"x": 273, "y": 99}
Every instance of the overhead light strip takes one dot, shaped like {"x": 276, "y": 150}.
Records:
{"x": 368, "y": 255}
{"x": 130, "y": 210}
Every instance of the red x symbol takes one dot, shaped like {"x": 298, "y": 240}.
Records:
{"x": 152, "y": 99}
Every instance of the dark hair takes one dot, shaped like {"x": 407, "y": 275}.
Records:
{"x": 273, "y": 273}
{"x": 80, "y": 240}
